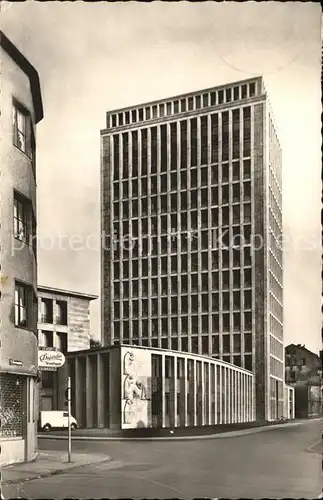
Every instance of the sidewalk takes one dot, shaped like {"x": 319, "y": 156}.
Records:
{"x": 48, "y": 464}
{"x": 108, "y": 435}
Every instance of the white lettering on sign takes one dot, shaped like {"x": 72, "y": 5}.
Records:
{"x": 54, "y": 359}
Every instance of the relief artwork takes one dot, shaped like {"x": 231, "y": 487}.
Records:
{"x": 134, "y": 390}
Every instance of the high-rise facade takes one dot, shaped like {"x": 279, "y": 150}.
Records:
{"x": 192, "y": 225}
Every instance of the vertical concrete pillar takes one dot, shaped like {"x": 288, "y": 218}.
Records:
{"x": 225, "y": 395}
{"x": 232, "y": 374}
{"x": 39, "y": 311}
{"x": 235, "y": 391}
{"x": 89, "y": 393}
{"x": 163, "y": 390}
{"x": 78, "y": 393}
{"x": 61, "y": 386}
{"x": 221, "y": 395}
{"x": 247, "y": 397}
{"x": 175, "y": 392}
{"x": 250, "y": 399}
{"x": 244, "y": 402}
{"x": 252, "y": 402}
{"x": 239, "y": 397}
{"x": 242, "y": 397}
{"x": 100, "y": 392}
{"x": 55, "y": 311}
{"x": 185, "y": 391}
{"x": 203, "y": 394}
{"x": 194, "y": 394}
{"x": 231, "y": 395}
{"x": 210, "y": 417}
{"x": 215, "y": 382}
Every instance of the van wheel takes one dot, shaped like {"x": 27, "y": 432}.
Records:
{"x": 47, "y": 427}
{"x": 73, "y": 427}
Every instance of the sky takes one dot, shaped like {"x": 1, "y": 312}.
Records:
{"x": 102, "y": 56}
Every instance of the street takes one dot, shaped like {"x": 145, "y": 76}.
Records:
{"x": 276, "y": 463}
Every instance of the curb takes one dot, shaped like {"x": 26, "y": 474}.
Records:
{"x": 55, "y": 472}
{"x": 220, "y": 435}
{"x": 310, "y": 449}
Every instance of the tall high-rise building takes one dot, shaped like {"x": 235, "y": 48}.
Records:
{"x": 192, "y": 215}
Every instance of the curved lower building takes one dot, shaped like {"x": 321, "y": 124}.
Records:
{"x": 21, "y": 110}
{"x": 127, "y": 387}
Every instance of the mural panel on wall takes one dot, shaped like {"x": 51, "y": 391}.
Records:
{"x": 136, "y": 388}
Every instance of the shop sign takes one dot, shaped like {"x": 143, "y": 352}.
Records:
{"x": 50, "y": 359}
{"x": 15, "y": 362}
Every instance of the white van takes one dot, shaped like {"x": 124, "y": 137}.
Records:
{"x": 55, "y": 420}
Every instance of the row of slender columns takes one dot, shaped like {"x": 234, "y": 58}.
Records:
{"x": 231, "y": 391}
{"x": 93, "y": 416}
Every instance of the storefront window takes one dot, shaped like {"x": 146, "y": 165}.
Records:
{"x": 11, "y": 406}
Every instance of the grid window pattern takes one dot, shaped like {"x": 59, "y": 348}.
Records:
{"x": 182, "y": 183}
{"x": 275, "y": 273}
{"x": 185, "y": 200}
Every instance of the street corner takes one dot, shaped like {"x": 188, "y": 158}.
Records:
{"x": 316, "y": 447}
{"x": 49, "y": 463}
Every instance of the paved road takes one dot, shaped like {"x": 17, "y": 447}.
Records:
{"x": 276, "y": 464}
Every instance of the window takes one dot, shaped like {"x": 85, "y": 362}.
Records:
{"x": 61, "y": 318}
{"x": 12, "y": 406}
{"x": 22, "y": 130}
{"x": 62, "y": 342}
{"x": 22, "y": 218}
{"x": 47, "y": 339}
{"x": 47, "y": 380}
{"x": 252, "y": 89}
{"x": 23, "y": 305}
{"x": 46, "y": 310}
{"x": 226, "y": 343}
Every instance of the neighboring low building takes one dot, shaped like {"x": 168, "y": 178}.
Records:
{"x": 125, "y": 387}
{"x": 64, "y": 324}
{"x": 303, "y": 371}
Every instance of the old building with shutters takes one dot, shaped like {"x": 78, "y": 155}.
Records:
{"x": 303, "y": 371}
{"x": 21, "y": 111}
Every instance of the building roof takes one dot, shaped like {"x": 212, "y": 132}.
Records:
{"x": 301, "y": 348}
{"x": 187, "y": 94}
{"x": 29, "y": 70}
{"x": 154, "y": 350}
{"x": 69, "y": 293}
